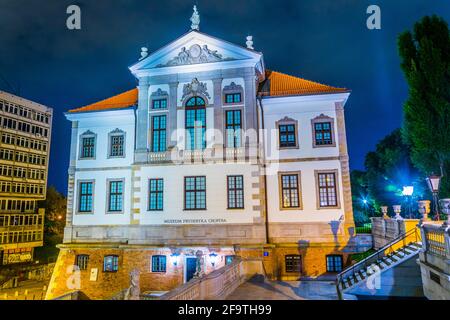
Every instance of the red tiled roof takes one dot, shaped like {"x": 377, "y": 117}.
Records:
{"x": 280, "y": 84}
{"x": 120, "y": 101}
{"x": 276, "y": 84}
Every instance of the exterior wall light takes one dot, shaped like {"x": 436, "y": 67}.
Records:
{"x": 174, "y": 259}
{"x": 213, "y": 258}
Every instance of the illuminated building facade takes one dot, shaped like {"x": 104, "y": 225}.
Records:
{"x": 25, "y": 132}
{"x": 211, "y": 156}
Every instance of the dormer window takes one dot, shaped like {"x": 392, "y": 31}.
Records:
{"x": 233, "y": 93}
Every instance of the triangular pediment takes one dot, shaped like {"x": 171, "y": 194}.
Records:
{"x": 195, "y": 48}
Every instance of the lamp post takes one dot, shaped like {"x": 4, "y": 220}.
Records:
{"x": 407, "y": 193}
{"x": 434, "y": 182}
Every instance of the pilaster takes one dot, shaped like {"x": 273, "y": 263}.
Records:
{"x": 142, "y": 122}
{"x": 173, "y": 96}
{"x": 218, "y": 111}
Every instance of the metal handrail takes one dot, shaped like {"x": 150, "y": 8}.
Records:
{"x": 364, "y": 263}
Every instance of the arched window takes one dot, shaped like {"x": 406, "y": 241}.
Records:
{"x": 196, "y": 124}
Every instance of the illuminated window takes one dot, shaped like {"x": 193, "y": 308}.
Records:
{"x": 159, "y": 264}
{"x": 195, "y": 193}
{"x": 287, "y": 135}
{"x": 233, "y": 98}
{"x": 82, "y": 261}
{"x": 159, "y": 104}
{"x": 334, "y": 263}
{"x": 115, "y": 198}
{"x": 156, "y": 194}
{"x": 159, "y": 124}
{"x": 327, "y": 189}
{"x": 196, "y": 124}
{"x": 235, "y": 186}
{"x": 85, "y": 197}
{"x": 293, "y": 263}
{"x": 117, "y": 145}
{"x": 110, "y": 264}
{"x": 233, "y": 128}
{"x": 290, "y": 195}
{"x": 88, "y": 147}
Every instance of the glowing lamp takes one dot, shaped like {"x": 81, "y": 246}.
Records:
{"x": 433, "y": 183}
{"x": 408, "y": 191}
{"x": 213, "y": 258}
{"x": 174, "y": 258}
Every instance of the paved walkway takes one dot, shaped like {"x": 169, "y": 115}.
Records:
{"x": 256, "y": 289}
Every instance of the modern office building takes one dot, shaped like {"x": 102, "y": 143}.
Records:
{"x": 25, "y": 132}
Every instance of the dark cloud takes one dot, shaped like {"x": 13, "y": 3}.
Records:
{"x": 321, "y": 40}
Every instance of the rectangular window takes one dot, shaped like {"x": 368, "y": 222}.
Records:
{"x": 233, "y": 98}
{"x": 159, "y": 104}
{"x": 159, "y": 133}
{"x": 85, "y": 197}
{"x": 293, "y": 264}
{"x": 290, "y": 191}
{"x": 82, "y": 261}
{"x": 195, "y": 193}
{"x": 156, "y": 195}
{"x": 323, "y": 134}
{"x": 287, "y": 134}
{"x": 235, "y": 185}
{"x": 229, "y": 259}
{"x": 111, "y": 264}
{"x": 159, "y": 264}
{"x": 88, "y": 147}
{"x": 117, "y": 143}
{"x": 115, "y": 201}
{"x": 327, "y": 190}
{"x": 233, "y": 128}
{"x": 334, "y": 263}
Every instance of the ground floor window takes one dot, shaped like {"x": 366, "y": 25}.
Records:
{"x": 334, "y": 263}
{"x": 82, "y": 261}
{"x": 159, "y": 264}
{"x": 111, "y": 264}
{"x": 293, "y": 263}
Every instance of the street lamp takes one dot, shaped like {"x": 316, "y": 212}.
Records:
{"x": 434, "y": 182}
{"x": 407, "y": 193}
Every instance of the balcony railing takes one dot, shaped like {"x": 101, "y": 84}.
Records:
{"x": 183, "y": 156}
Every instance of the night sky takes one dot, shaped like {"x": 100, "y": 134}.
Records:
{"x": 321, "y": 40}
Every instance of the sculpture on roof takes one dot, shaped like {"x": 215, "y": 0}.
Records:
{"x": 195, "y": 19}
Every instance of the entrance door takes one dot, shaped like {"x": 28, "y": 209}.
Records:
{"x": 191, "y": 266}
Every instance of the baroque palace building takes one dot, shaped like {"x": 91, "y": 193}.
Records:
{"x": 25, "y": 131}
{"x": 212, "y": 156}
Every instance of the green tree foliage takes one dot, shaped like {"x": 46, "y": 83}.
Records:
{"x": 388, "y": 170}
{"x": 55, "y": 212}
{"x": 425, "y": 55}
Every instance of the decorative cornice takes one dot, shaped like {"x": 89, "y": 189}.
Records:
{"x": 88, "y": 133}
{"x": 159, "y": 93}
{"x": 116, "y": 131}
{"x": 233, "y": 87}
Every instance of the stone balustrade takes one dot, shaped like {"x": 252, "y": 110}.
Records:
{"x": 385, "y": 230}
{"x": 189, "y": 156}
{"x": 434, "y": 260}
{"x": 215, "y": 286}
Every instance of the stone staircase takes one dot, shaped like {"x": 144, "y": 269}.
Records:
{"x": 396, "y": 252}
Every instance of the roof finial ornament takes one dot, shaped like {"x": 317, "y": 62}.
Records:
{"x": 144, "y": 53}
{"x": 195, "y": 19}
{"x": 249, "y": 43}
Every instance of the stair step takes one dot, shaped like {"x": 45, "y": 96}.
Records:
{"x": 383, "y": 265}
